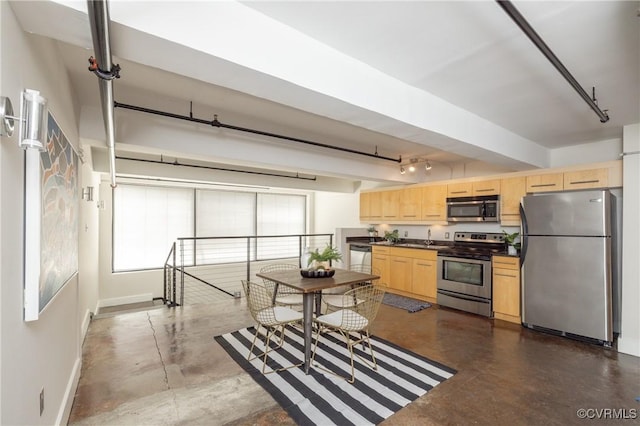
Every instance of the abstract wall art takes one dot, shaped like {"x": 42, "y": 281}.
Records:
{"x": 51, "y": 220}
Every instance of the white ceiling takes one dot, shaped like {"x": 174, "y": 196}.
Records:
{"x": 452, "y": 81}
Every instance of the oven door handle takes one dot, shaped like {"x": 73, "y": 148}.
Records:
{"x": 462, "y": 296}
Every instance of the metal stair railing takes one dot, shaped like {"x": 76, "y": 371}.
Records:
{"x": 206, "y": 269}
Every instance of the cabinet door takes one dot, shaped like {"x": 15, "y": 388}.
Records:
{"x": 365, "y": 212}
{"x": 400, "y": 279}
{"x": 584, "y": 179}
{"x": 486, "y": 187}
{"x": 506, "y": 292}
{"x": 410, "y": 203}
{"x": 506, "y": 288}
{"x": 434, "y": 203}
{"x": 546, "y": 182}
{"x": 464, "y": 189}
{"x": 380, "y": 264}
{"x": 423, "y": 278}
{"x": 511, "y": 192}
{"x": 375, "y": 206}
{"x": 390, "y": 205}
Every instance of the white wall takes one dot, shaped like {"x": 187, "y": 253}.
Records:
{"x": 124, "y": 287}
{"x": 629, "y": 340}
{"x": 333, "y": 211}
{"x": 596, "y": 152}
{"x": 44, "y": 353}
{"x": 88, "y": 246}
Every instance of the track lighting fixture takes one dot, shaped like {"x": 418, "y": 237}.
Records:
{"x": 411, "y": 166}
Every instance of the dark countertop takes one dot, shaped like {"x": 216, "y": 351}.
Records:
{"x": 403, "y": 243}
{"x": 409, "y": 243}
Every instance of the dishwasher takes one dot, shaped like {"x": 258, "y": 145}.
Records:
{"x": 360, "y": 257}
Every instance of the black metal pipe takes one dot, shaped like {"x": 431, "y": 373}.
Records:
{"x": 517, "y": 17}
{"x": 216, "y": 123}
{"x": 196, "y": 166}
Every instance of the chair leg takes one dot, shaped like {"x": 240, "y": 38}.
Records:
{"x": 270, "y": 332}
{"x": 315, "y": 347}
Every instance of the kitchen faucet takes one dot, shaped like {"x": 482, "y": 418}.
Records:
{"x": 429, "y": 242}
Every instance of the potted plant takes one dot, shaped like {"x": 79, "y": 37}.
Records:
{"x": 510, "y": 240}
{"x": 322, "y": 259}
{"x": 372, "y": 231}
{"x": 392, "y": 237}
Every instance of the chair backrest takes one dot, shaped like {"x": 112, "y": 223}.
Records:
{"x": 278, "y": 267}
{"x": 259, "y": 301}
{"x": 366, "y": 269}
{"x": 368, "y": 299}
{"x": 282, "y": 289}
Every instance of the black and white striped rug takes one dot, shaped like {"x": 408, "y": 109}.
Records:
{"x": 320, "y": 398}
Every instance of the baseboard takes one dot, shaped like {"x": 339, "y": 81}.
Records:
{"x": 125, "y": 300}
{"x": 629, "y": 346}
{"x": 84, "y": 327}
{"x": 70, "y": 393}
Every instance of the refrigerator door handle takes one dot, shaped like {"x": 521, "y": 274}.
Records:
{"x": 525, "y": 235}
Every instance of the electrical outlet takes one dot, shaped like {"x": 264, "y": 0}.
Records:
{"x": 446, "y": 235}
{"x": 41, "y": 401}
{"x": 406, "y": 234}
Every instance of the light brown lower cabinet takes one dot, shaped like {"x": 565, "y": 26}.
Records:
{"x": 506, "y": 288}
{"x": 408, "y": 272}
{"x": 380, "y": 263}
{"x": 424, "y": 276}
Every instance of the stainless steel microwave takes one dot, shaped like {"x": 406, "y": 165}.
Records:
{"x": 484, "y": 208}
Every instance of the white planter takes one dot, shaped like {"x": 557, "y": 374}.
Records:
{"x": 512, "y": 251}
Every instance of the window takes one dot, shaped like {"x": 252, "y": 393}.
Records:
{"x": 222, "y": 213}
{"x": 147, "y": 220}
{"x": 280, "y": 214}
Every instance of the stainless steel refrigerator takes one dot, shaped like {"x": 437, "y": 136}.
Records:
{"x": 568, "y": 258}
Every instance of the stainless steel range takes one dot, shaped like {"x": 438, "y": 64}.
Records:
{"x": 464, "y": 271}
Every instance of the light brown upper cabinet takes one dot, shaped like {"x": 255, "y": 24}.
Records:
{"x": 545, "y": 182}
{"x": 486, "y": 187}
{"x": 365, "y": 211}
{"x": 390, "y": 205}
{"x": 434, "y": 203}
{"x": 375, "y": 206}
{"x": 512, "y": 190}
{"x": 411, "y": 203}
{"x": 584, "y": 179}
{"x": 462, "y": 189}
{"x": 468, "y": 189}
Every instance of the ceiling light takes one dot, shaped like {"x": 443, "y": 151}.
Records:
{"x": 412, "y": 168}
{"x": 402, "y": 170}
{"x": 427, "y": 166}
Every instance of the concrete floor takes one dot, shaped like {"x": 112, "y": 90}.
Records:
{"x": 163, "y": 367}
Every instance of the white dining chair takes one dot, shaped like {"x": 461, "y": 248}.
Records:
{"x": 271, "y": 318}
{"x": 350, "y": 322}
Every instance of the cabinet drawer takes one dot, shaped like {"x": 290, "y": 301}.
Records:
{"x": 414, "y": 253}
{"x": 583, "y": 179}
{"x": 380, "y": 250}
{"x": 506, "y": 262}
